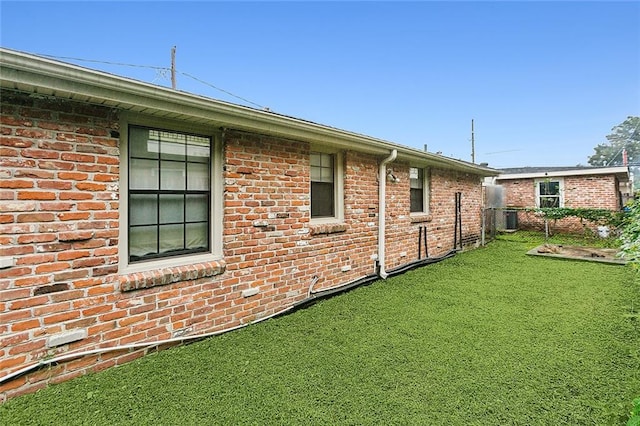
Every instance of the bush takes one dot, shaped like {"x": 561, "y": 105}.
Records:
{"x": 630, "y": 234}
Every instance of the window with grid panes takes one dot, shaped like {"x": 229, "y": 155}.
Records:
{"x": 322, "y": 185}
{"x": 416, "y": 179}
{"x": 169, "y": 194}
{"x": 549, "y": 193}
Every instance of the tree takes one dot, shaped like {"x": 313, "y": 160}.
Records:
{"x": 624, "y": 135}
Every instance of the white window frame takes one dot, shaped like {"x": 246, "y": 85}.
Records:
{"x": 338, "y": 186}
{"x": 426, "y": 191}
{"x": 560, "y": 189}
{"x": 217, "y": 188}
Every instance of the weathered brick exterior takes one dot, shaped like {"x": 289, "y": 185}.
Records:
{"x": 59, "y": 218}
{"x": 587, "y": 191}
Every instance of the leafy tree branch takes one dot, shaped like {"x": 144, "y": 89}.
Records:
{"x": 625, "y": 135}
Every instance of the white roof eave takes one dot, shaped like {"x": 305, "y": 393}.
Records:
{"x": 622, "y": 172}
{"x": 34, "y": 74}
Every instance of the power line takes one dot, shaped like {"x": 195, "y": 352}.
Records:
{"x": 68, "y": 58}
{"x": 222, "y": 90}
{"x": 501, "y": 152}
{"x": 161, "y": 70}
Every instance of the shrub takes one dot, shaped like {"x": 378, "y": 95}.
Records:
{"x": 630, "y": 234}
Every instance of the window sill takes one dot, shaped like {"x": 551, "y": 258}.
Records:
{"x": 169, "y": 275}
{"x": 327, "y": 228}
{"x": 421, "y": 217}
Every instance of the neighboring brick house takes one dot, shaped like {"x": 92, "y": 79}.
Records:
{"x": 134, "y": 214}
{"x": 572, "y": 187}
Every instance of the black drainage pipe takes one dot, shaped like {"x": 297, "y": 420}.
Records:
{"x": 369, "y": 279}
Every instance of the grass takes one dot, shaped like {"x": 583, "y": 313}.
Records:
{"x": 489, "y": 337}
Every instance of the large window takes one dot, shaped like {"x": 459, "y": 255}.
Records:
{"x": 323, "y": 188}
{"x": 549, "y": 193}
{"x": 169, "y": 193}
{"x": 419, "y": 190}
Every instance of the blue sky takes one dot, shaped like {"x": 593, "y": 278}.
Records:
{"x": 544, "y": 82}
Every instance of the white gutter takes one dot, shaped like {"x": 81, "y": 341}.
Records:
{"x": 34, "y": 74}
{"x": 382, "y": 190}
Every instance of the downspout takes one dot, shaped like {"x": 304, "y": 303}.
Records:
{"x": 382, "y": 186}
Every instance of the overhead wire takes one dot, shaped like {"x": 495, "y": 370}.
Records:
{"x": 122, "y": 64}
{"x": 161, "y": 70}
{"x": 222, "y": 90}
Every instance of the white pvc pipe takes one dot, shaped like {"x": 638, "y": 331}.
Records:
{"x": 382, "y": 195}
{"x": 73, "y": 355}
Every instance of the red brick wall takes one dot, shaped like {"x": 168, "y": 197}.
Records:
{"x": 266, "y": 219}
{"x": 519, "y": 193}
{"x": 59, "y": 218}
{"x": 444, "y": 185}
{"x": 597, "y": 191}
{"x": 403, "y": 229}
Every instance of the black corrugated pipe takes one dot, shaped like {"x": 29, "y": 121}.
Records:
{"x": 322, "y": 294}
{"x": 187, "y": 339}
{"x": 420, "y": 262}
{"x": 371, "y": 279}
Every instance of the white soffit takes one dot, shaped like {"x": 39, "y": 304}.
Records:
{"x": 41, "y": 76}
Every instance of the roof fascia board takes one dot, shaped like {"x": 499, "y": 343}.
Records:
{"x": 69, "y": 81}
{"x": 619, "y": 171}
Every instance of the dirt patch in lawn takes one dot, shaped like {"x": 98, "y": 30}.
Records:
{"x": 591, "y": 254}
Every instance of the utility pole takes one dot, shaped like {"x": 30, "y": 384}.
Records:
{"x": 173, "y": 67}
{"x": 473, "y": 144}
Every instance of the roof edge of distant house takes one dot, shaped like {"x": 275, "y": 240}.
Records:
{"x": 621, "y": 172}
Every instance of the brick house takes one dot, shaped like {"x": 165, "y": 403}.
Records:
{"x": 572, "y": 187}
{"x": 135, "y": 216}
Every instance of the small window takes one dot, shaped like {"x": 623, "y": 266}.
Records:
{"x": 419, "y": 187}
{"x": 323, "y": 189}
{"x": 169, "y": 193}
{"x": 549, "y": 193}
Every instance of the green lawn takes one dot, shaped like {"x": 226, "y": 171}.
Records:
{"x": 488, "y": 337}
